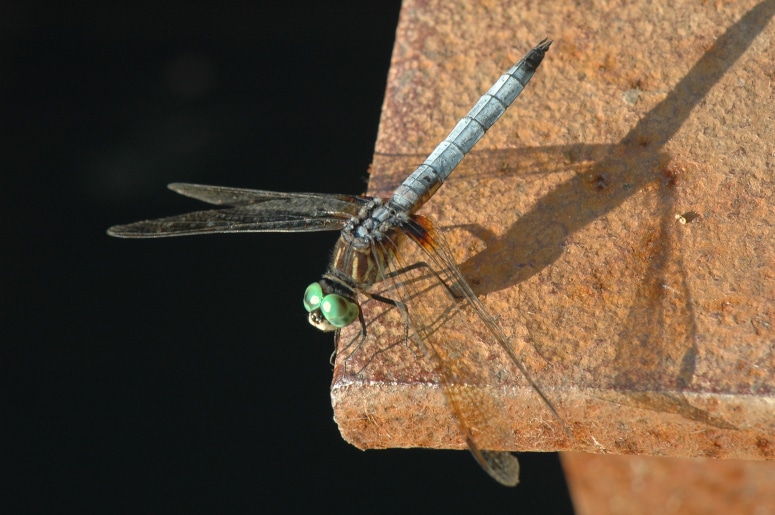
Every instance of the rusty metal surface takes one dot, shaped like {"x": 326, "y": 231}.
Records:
{"x": 634, "y": 485}
{"x": 650, "y": 335}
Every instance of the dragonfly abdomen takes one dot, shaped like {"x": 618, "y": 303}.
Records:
{"x": 423, "y": 182}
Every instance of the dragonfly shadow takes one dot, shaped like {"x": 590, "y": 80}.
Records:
{"x": 657, "y": 350}
{"x": 619, "y": 170}
{"x": 655, "y": 357}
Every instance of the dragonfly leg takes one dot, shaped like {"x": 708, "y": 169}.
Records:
{"x": 455, "y": 293}
{"x": 332, "y": 358}
{"x": 355, "y": 344}
{"x": 422, "y": 264}
{"x": 398, "y": 305}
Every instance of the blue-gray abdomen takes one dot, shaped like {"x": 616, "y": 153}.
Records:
{"x": 423, "y": 182}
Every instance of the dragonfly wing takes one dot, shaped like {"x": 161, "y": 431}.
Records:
{"x": 502, "y": 466}
{"x": 473, "y": 370}
{"x": 226, "y": 196}
{"x": 238, "y": 219}
{"x": 249, "y": 211}
{"x": 423, "y": 231}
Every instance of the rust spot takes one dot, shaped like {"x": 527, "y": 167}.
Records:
{"x": 765, "y": 448}
{"x": 673, "y": 170}
{"x": 714, "y": 450}
{"x": 671, "y": 174}
{"x": 627, "y": 447}
{"x": 598, "y": 182}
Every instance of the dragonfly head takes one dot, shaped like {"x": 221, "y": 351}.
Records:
{"x": 328, "y": 308}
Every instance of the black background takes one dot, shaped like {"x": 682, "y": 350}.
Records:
{"x": 180, "y": 374}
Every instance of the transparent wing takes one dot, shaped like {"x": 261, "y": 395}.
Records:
{"x": 443, "y": 312}
{"x": 423, "y": 231}
{"x": 248, "y": 211}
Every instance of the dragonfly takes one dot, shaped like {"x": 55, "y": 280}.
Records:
{"x": 377, "y": 238}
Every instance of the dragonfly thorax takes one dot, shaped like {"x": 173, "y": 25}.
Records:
{"x": 374, "y": 222}
{"x": 360, "y": 259}
{"x": 367, "y": 244}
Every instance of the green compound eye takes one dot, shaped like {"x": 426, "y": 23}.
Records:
{"x": 339, "y": 311}
{"x": 313, "y": 297}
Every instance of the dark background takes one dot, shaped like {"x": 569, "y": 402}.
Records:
{"x": 181, "y": 374}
